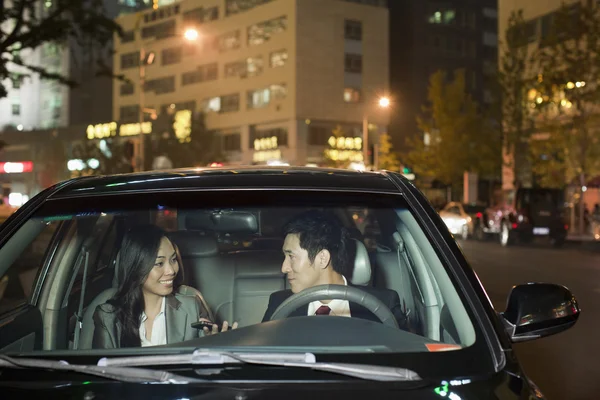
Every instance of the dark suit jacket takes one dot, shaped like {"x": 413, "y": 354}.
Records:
{"x": 388, "y": 297}
{"x": 182, "y": 308}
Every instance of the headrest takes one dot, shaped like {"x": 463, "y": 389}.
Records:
{"x": 194, "y": 244}
{"x": 362, "y": 265}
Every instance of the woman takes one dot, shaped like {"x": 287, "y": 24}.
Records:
{"x": 151, "y": 307}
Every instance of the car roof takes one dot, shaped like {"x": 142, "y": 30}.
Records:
{"x": 245, "y": 177}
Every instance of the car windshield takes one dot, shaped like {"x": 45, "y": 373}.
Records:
{"x": 137, "y": 271}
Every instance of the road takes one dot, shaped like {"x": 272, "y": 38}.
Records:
{"x": 567, "y": 365}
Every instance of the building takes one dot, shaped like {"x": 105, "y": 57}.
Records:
{"x": 429, "y": 35}
{"x": 32, "y": 103}
{"x": 538, "y": 16}
{"x": 273, "y": 77}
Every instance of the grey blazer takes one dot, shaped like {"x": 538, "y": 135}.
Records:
{"x": 182, "y": 309}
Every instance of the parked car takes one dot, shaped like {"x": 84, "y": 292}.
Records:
{"x": 526, "y": 214}
{"x": 61, "y": 256}
{"x": 461, "y": 219}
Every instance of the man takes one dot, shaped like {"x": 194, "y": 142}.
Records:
{"x": 316, "y": 250}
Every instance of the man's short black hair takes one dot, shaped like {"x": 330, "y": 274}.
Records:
{"x": 319, "y": 230}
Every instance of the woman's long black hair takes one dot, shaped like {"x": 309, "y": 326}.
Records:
{"x": 136, "y": 259}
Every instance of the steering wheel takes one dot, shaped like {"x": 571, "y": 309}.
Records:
{"x": 341, "y": 292}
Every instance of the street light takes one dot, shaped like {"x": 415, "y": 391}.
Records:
{"x": 139, "y": 156}
{"x": 383, "y": 102}
{"x": 191, "y": 34}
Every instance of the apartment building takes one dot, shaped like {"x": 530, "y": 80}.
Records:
{"x": 538, "y": 16}
{"x": 273, "y": 77}
{"x": 431, "y": 35}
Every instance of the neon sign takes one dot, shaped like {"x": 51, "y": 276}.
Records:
{"x": 266, "y": 149}
{"x": 269, "y": 143}
{"x": 101, "y": 131}
{"x": 345, "y": 149}
{"x": 345, "y": 143}
{"x": 134, "y": 129}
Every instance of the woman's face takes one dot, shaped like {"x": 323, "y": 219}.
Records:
{"x": 160, "y": 279}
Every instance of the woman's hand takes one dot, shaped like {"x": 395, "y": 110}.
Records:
{"x": 215, "y": 327}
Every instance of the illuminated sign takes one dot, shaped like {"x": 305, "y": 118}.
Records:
{"x": 262, "y": 156}
{"x": 345, "y": 143}
{"x": 183, "y": 125}
{"x": 134, "y": 129}
{"x": 266, "y": 149}
{"x": 344, "y": 155}
{"x": 101, "y": 131}
{"x": 15, "y": 167}
{"x": 109, "y": 129}
{"x": 345, "y": 149}
{"x": 269, "y": 143}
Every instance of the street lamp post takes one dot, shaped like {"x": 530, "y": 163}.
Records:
{"x": 384, "y": 102}
{"x": 139, "y": 153}
{"x": 139, "y": 156}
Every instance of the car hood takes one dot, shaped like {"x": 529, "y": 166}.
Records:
{"x": 502, "y": 385}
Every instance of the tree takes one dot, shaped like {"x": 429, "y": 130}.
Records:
{"x": 31, "y": 24}
{"x": 512, "y": 87}
{"x": 456, "y": 138}
{"x": 196, "y": 147}
{"x": 387, "y": 157}
{"x": 567, "y": 98}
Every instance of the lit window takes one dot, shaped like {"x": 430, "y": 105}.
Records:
{"x": 262, "y": 97}
{"x": 262, "y": 32}
{"x": 351, "y": 95}
{"x": 436, "y": 18}
{"x": 228, "y": 41}
{"x": 254, "y": 66}
{"x": 447, "y": 17}
{"x": 279, "y": 58}
{"x": 213, "y": 104}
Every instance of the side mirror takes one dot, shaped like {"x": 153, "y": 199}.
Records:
{"x": 536, "y": 310}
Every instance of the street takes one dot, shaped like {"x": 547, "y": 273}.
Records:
{"x": 565, "y": 366}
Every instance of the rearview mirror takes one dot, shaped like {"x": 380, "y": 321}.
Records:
{"x": 224, "y": 221}
{"x": 536, "y": 310}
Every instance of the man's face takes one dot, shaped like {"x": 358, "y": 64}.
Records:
{"x": 301, "y": 273}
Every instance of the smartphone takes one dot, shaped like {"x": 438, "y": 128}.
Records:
{"x": 204, "y": 324}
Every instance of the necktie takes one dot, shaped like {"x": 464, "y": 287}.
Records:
{"x": 323, "y": 310}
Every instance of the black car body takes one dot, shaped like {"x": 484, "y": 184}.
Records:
{"x": 526, "y": 214}
{"x": 487, "y": 369}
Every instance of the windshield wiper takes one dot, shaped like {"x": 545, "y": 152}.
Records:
{"x": 299, "y": 360}
{"x": 118, "y": 373}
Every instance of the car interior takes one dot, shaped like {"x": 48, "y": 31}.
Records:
{"x": 232, "y": 260}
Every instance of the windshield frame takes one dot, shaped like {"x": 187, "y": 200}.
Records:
{"x": 283, "y": 197}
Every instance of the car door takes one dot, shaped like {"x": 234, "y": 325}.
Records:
{"x": 26, "y": 255}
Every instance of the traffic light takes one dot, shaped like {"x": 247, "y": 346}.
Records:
{"x": 406, "y": 170}
{"x": 371, "y": 155}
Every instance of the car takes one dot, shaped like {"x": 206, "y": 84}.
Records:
{"x": 461, "y": 219}
{"x": 526, "y": 214}
{"x": 64, "y": 258}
